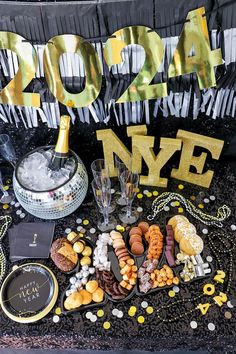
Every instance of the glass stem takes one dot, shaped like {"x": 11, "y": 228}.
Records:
{"x": 128, "y": 211}
{"x": 105, "y": 215}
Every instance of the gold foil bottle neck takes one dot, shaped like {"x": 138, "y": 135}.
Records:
{"x": 62, "y": 145}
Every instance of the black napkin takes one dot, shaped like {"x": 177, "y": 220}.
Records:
{"x": 30, "y": 240}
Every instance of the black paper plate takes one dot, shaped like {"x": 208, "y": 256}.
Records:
{"x": 29, "y": 293}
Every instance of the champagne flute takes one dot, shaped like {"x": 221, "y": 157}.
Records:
{"x": 100, "y": 172}
{"x": 129, "y": 186}
{"x": 121, "y": 167}
{"x": 102, "y": 194}
{"x": 7, "y": 150}
{"x": 6, "y": 197}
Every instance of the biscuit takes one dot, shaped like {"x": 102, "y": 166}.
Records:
{"x": 115, "y": 235}
{"x": 137, "y": 248}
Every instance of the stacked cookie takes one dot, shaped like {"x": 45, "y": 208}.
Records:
{"x": 154, "y": 238}
{"x": 111, "y": 286}
{"x": 186, "y": 235}
{"x": 128, "y": 270}
{"x": 135, "y": 240}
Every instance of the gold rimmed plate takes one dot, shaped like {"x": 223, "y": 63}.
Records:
{"x": 29, "y": 293}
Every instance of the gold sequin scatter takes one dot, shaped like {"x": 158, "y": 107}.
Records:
{"x": 193, "y": 198}
{"x": 6, "y": 188}
{"x": 106, "y": 325}
{"x": 85, "y": 222}
{"x": 139, "y": 195}
{"x": 132, "y": 311}
{"x": 5, "y": 206}
{"x": 181, "y": 186}
{"x": 141, "y": 319}
{"x": 180, "y": 210}
{"x": 155, "y": 193}
{"x": 149, "y": 194}
{"x": 201, "y": 206}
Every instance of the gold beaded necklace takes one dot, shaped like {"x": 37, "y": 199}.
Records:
{"x": 165, "y": 198}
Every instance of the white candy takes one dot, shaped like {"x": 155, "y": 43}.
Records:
{"x": 78, "y": 284}
{"x": 73, "y": 280}
{"x": 85, "y": 274}
{"x": 91, "y": 270}
{"x": 68, "y": 293}
{"x": 85, "y": 267}
{"x": 84, "y": 281}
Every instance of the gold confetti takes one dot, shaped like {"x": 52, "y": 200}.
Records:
{"x": 106, "y": 325}
{"x": 85, "y": 222}
{"x": 149, "y": 194}
{"x": 201, "y": 206}
{"x": 181, "y": 186}
{"x": 171, "y": 293}
{"x": 100, "y": 313}
{"x": 140, "y": 196}
{"x": 149, "y": 310}
{"x": 176, "y": 203}
{"x": 120, "y": 228}
{"x": 141, "y": 319}
{"x": 180, "y": 210}
{"x": 5, "y": 206}
{"x": 58, "y": 311}
{"x": 6, "y": 188}
{"x": 192, "y": 197}
{"x": 155, "y": 193}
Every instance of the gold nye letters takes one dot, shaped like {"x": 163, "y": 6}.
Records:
{"x": 142, "y": 148}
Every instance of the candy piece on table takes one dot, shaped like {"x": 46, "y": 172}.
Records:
{"x": 72, "y": 237}
{"x": 98, "y": 295}
{"x": 85, "y": 261}
{"x": 87, "y": 251}
{"x": 91, "y": 286}
{"x": 86, "y": 297}
{"x": 78, "y": 247}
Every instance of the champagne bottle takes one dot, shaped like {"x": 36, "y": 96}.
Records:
{"x": 61, "y": 151}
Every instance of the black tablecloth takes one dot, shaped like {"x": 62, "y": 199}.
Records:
{"x": 76, "y": 331}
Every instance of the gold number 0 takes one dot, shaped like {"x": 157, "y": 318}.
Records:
{"x": 139, "y": 89}
{"x": 74, "y": 44}
{"x": 13, "y": 92}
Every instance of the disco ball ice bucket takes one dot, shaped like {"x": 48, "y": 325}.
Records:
{"x": 55, "y": 203}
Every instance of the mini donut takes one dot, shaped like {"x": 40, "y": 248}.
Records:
{"x": 135, "y": 231}
{"x": 144, "y": 226}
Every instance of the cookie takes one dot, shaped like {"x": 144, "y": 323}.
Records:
{"x": 144, "y": 226}
{"x": 135, "y": 231}
{"x": 124, "y": 258}
{"x": 137, "y": 248}
{"x": 118, "y": 243}
{"x": 115, "y": 235}
{"x": 191, "y": 246}
{"x": 177, "y": 219}
{"x": 135, "y": 238}
{"x": 119, "y": 251}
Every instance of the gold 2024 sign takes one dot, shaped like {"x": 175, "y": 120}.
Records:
{"x": 194, "y": 34}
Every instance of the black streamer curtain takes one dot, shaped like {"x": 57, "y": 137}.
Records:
{"x": 96, "y": 21}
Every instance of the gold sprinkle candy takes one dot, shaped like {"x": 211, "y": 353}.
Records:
{"x": 100, "y": 313}
{"x": 139, "y": 196}
{"x": 106, "y": 325}
{"x": 85, "y": 222}
{"x": 141, "y": 319}
{"x": 6, "y": 188}
{"x": 180, "y": 210}
{"x": 201, "y": 206}
{"x": 171, "y": 293}
{"x": 149, "y": 310}
{"x": 192, "y": 197}
{"x": 5, "y": 206}
{"x": 155, "y": 193}
{"x": 149, "y": 194}
{"x": 58, "y": 311}
{"x": 181, "y": 186}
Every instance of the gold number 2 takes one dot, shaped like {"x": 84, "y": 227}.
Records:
{"x": 140, "y": 89}
{"x": 73, "y": 44}
{"x": 13, "y": 91}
